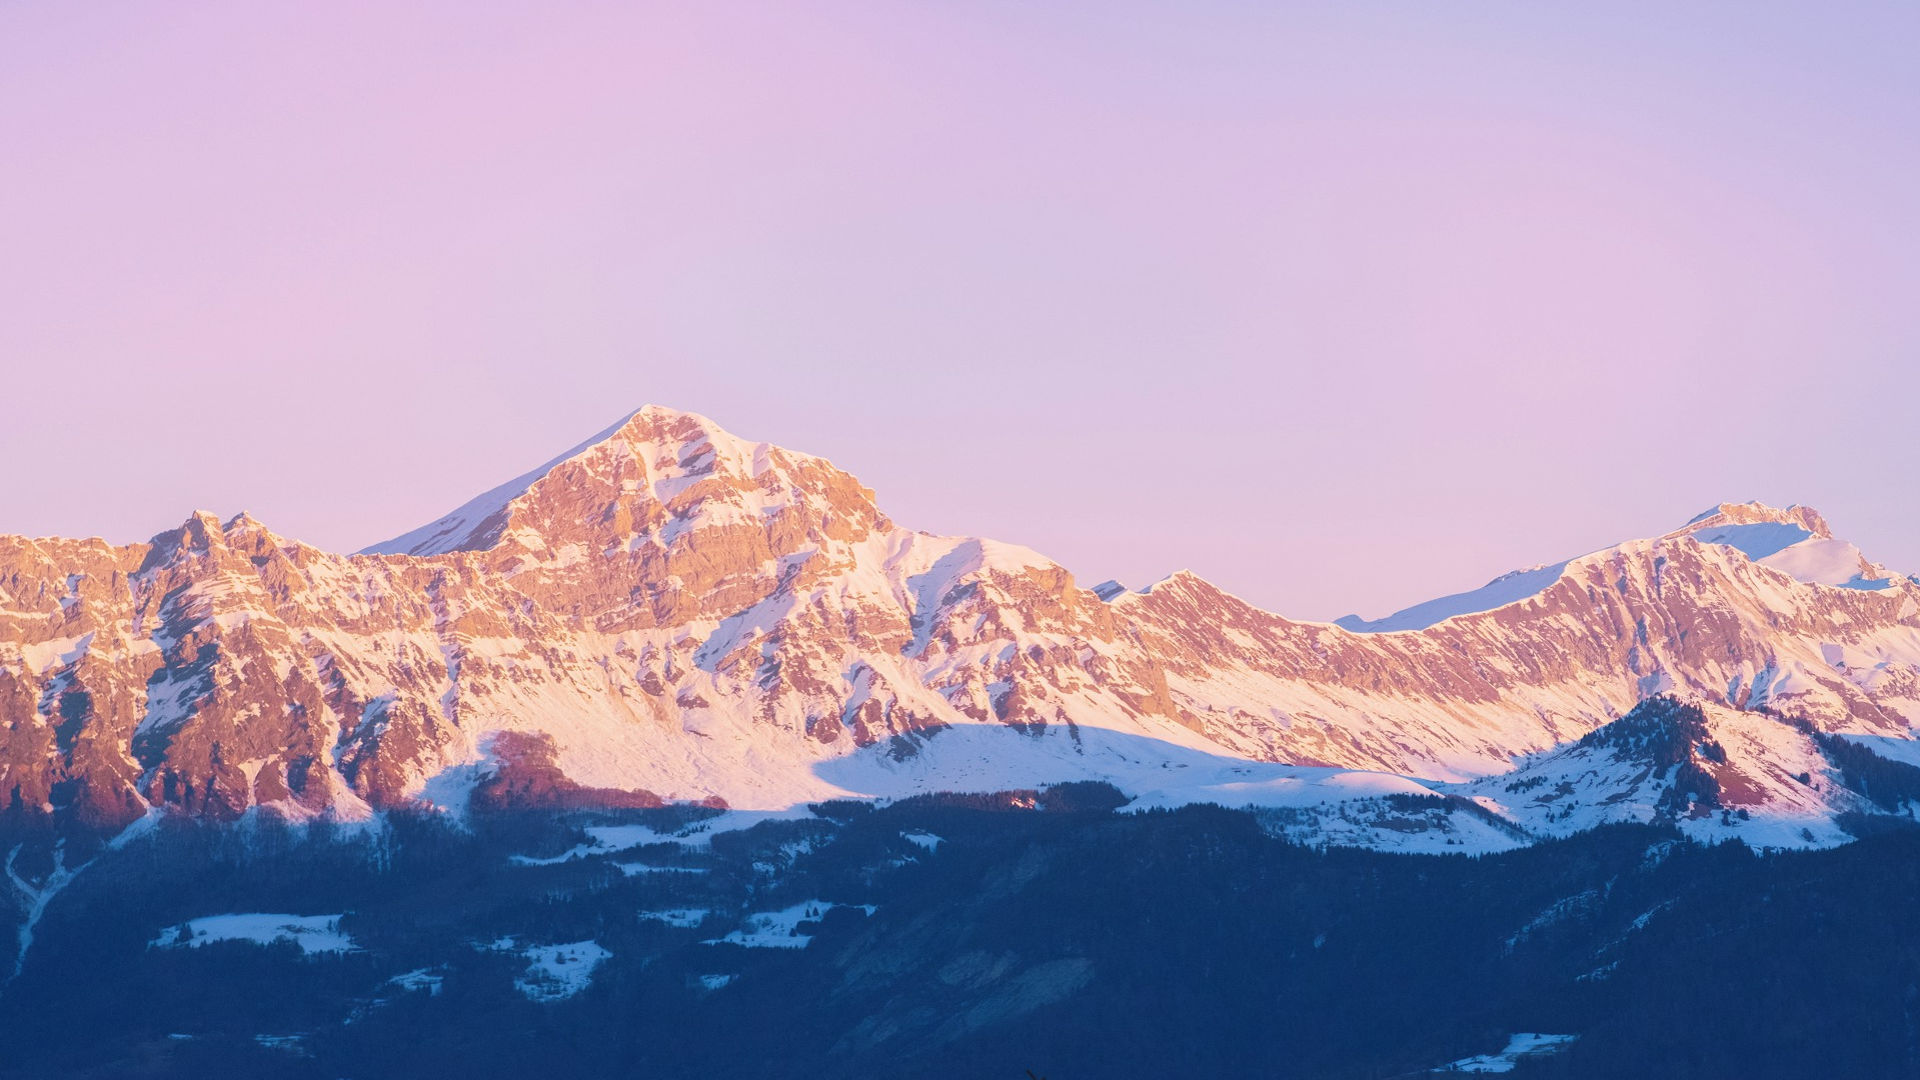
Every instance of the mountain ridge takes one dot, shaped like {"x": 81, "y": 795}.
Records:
{"x": 669, "y": 612}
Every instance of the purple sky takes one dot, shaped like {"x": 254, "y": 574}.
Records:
{"x": 1343, "y": 307}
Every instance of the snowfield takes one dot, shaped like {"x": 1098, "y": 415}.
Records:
{"x": 924, "y": 840}
{"x": 681, "y": 917}
{"x": 780, "y": 929}
{"x": 554, "y": 972}
{"x": 1523, "y": 1044}
{"x": 313, "y": 933}
{"x": 611, "y": 839}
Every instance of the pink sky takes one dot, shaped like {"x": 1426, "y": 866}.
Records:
{"x": 1343, "y": 309}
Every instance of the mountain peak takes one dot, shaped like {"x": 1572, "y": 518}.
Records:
{"x": 478, "y": 522}
{"x": 1758, "y": 513}
{"x": 656, "y": 462}
{"x": 1795, "y": 541}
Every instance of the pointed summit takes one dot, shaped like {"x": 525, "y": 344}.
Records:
{"x": 477, "y": 523}
{"x": 658, "y": 471}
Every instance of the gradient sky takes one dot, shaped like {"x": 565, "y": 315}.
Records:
{"x": 1343, "y": 306}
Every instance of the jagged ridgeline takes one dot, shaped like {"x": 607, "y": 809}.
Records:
{"x": 671, "y": 614}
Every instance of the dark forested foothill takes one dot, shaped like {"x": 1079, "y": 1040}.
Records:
{"x": 1042, "y": 930}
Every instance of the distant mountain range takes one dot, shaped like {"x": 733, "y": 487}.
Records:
{"x": 669, "y": 613}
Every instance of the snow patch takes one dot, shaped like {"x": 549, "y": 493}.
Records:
{"x": 636, "y": 869}
{"x": 313, "y": 933}
{"x": 681, "y": 917}
{"x": 428, "y": 979}
{"x": 555, "y": 972}
{"x": 1506, "y": 589}
{"x": 607, "y": 839}
{"x": 923, "y": 839}
{"x": 1523, "y": 1044}
{"x": 45, "y": 656}
{"x": 781, "y": 929}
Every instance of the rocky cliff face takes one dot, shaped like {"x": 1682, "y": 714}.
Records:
{"x": 669, "y": 612}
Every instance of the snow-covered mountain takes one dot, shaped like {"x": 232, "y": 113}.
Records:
{"x": 1710, "y": 770}
{"x": 669, "y": 612}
